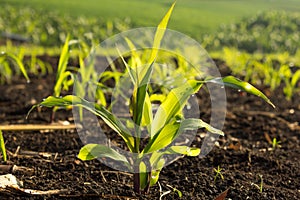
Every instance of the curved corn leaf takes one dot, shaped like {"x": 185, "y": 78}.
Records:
{"x": 295, "y": 78}
{"x": 171, "y": 131}
{"x": 155, "y": 173}
{"x": 18, "y": 62}
{"x": 111, "y": 120}
{"x": 63, "y": 82}
{"x": 132, "y": 72}
{"x": 163, "y": 138}
{"x": 173, "y": 104}
{"x": 184, "y": 150}
{"x": 157, "y": 163}
{"x": 92, "y": 151}
{"x": 241, "y": 85}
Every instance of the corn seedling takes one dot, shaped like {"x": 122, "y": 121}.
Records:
{"x": 218, "y": 172}
{"x": 36, "y": 66}
{"x": 2, "y": 146}
{"x": 275, "y": 144}
{"x": 6, "y": 60}
{"x": 179, "y": 193}
{"x": 49, "y": 29}
{"x": 291, "y": 84}
{"x": 268, "y": 69}
{"x": 260, "y": 186}
{"x": 64, "y": 78}
{"x": 163, "y": 127}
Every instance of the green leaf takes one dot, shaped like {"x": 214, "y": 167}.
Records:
{"x": 142, "y": 106}
{"x": 143, "y": 175}
{"x": 171, "y": 131}
{"x": 157, "y": 97}
{"x": 64, "y": 57}
{"x": 241, "y": 85}
{"x": 155, "y": 173}
{"x": 147, "y": 116}
{"x": 140, "y": 111}
{"x": 132, "y": 72}
{"x": 63, "y": 81}
{"x": 163, "y": 138}
{"x": 19, "y": 63}
{"x": 295, "y": 78}
{"x": 173, "y": 104}
{"x": 2, "y": 146}
{"x": 135, "y": 58}
{"x": 92, "y": 151}
{"x": 184, "y": 150}
{"x": 160, "y": 31}
{"x": 111, "y": 120}
{"x": 61, "y": 68}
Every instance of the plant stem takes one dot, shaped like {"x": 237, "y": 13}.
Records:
{"x": 136, "y": 180}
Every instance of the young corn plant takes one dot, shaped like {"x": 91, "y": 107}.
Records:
{"x": 163, "y": 127}
{"x": 64, "y": 78}
{"x": 6, "y": 69}
{"x": 218, "y": 172}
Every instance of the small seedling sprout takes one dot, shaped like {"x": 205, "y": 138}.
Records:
{"x": 275, "y": 143}
{"x": 218, "y": 172}
{"x": 260, "y": 186}
{"x": 2, "y": 146}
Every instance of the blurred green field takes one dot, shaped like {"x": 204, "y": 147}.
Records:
{"x": 193, "y": 17}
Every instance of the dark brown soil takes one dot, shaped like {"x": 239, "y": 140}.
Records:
{"x": 244, "y": 153}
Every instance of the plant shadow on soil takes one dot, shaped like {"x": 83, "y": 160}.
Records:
{"x": 244, "y": 153}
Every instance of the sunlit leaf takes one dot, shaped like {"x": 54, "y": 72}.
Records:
{"x": 155, "y": 173}
{"x": 143, "y": 175}
{"x": 157, "y": 97}
{"x": 163, "y": 138}
{"x": 171, "y": 131}
{"x": 111, "y": 120}
{"x": 160, "y": 31}
{"x": 184, "y": 150}
{"x": 295, "y": 78}
{"x": 174, "y": 102}
{"x": 241, "y": 85}
{"x": 61, "y": 68}
{"x": 92, "y": 151}
{"x": 18, "y": 62}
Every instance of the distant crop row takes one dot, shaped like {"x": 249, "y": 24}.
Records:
{"x": 51, "y": 29}
{"x": 271, "y": 70}
{"x": 267, "y": 32}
